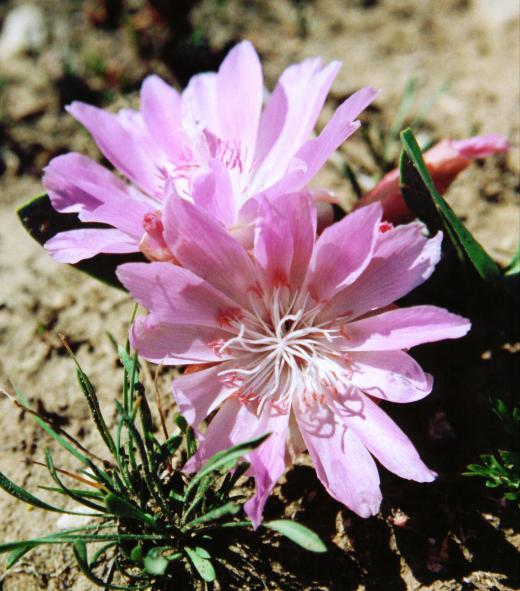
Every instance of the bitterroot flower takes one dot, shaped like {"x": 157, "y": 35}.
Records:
{"x": 297, "y": 338}
{"x": 213, "y": 145}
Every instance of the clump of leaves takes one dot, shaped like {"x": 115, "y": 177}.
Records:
{"x": 502, "y": 470}
{"x": 150, "y": 525}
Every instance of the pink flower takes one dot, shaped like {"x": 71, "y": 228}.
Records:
{"x": 444, "y": 161}
{"x": 213, "y": 145}
{"x": 298, "y": 339}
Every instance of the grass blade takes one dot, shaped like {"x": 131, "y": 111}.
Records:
{"x": 25, "y": 496}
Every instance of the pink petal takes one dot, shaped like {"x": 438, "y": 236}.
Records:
{"x": 286, "y": 229}
{"x": 125, "y": 142}
{"x": 342, "y": 462}
{"x": 290, "y": 117}
{"x": 199, "y": 102}
{"x": 200, "y": 393}
{"x": 212, "y": 191}
{"x": 403, "y": 259}
{"x": 315, "y": 152}
{"x": 239, "y": 95}
{"x": 403, "y": 328}
{"x": 343, "y": 251}
{"x": 273, "y": 246}
{"x": 76, "y": 183}
{"x": 481, "y": 146}
{"x": 176, "y": 344}
{"x": 75, "y": 245}
{"x": 162, "y": 114}
{"x": 203, "y": 245}
{"x": 382, "y": 437}
{"x": 176, "y": 295}
{"x": 391, "y": 375}
{"x": 235, "y": 423}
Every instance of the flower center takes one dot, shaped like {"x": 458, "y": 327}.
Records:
{"x": 280, "y": 351}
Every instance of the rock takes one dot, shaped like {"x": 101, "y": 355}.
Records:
{"x": 24, "y": 30}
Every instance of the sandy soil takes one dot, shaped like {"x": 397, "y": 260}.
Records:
{"x": 457, "y": 535}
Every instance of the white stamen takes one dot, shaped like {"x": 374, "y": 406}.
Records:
{"x": 280, "y": 352}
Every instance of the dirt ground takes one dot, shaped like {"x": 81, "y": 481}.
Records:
{"x": 451, "y": 535}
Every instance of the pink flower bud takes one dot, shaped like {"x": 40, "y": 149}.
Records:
{"x": 444, "y": 161}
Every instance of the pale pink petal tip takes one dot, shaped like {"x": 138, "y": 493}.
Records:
{"x": 481, "y": 146}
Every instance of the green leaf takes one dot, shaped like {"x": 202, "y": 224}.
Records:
{"x": 43, "y": 222}
{"x": 225, "y": 459}
{"x": 514, "y": 266}
{"x": 80, "y": 554}
{"x": 25, "y": 496}
{"x": 425, "y": 201}
{"x": 202, "y": 565}
{"x": 155, "y": 563}
{"x": 15, "y": 555}
{"x": 123, "y": 508}
{"x": 137, "y": 554}
{"x": 227, "y": 509}
{"x": 67, "y": 491}
{"x": 297, "y": 533}
{"x": 202, "y": 552}
{"x": 90, "y": 395}
{"x": 56, "y": 436}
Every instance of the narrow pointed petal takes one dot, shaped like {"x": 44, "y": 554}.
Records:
{"x": 342, "y": 252}
{"x": 176, "y": 344}
{"x": 403, "y": 259}
{"x": 235, "y": 423}
{"x": 203, "y": 245}
{"x": 267, "y": 462}
{"x": 315, "y": 152}
{"x": 290, "y": 117}
{"x": 382, "y": 437}
{"x": 125, "y": 142}
{"x": 75, "y": 245}
{"x": 77, "y": 184}
{"x": 343, "y": 464}
{"x": 162, "y": 113}
{"x": 390, "y": 375}
{"x": 403, "y": 328}
{"x": 199, "y": 102}
{"x": 176, "y": 295}
{"x": 199, "y": 393}
{"x": 212, "y": 192}
{"x": 273, "y": 247}
{"x": 285, "y": 234}
{"x": 240, "y": 92}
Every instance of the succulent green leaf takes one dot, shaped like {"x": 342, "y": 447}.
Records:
{"x": 155, "y": 563}
{"x": 202, "y": 565}
{"x": 297, "y": 533}
{"x": 425, "y": 201}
